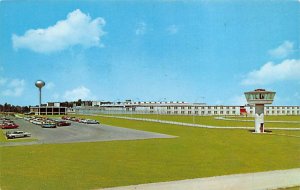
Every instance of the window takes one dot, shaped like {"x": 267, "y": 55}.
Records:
{"x": 189, "y": 107}
{"x": 151, "y": 107}
{"x": 196, "y": 112}
{"x": 176, "y": 112}
{"x": 209, "y": 112}
{"x": 182, "y": 112}
{"x": 215, "y": 112}
{"x": 196, "y": 107}
{"x": 227, "y": 112}
{"x": 202, "y": 112}
{"x": 189, "y": 112}
{"x": 175, "y": 107}
{"x": 233, "y": 112}
{"x": 182, "y": 107}
{"x": 168, "y": 112}
{"x": 168, "y": 107}
{"x": 221, "y": 112}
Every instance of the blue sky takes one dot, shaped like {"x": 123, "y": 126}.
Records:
{"x": 194, "y": 51}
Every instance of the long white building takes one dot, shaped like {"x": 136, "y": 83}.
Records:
{"x": 179, "y": 108}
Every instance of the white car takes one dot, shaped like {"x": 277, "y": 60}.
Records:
{"x": 17, "y": 134}
{"x": 89, "y": 121}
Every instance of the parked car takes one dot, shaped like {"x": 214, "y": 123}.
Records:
{"x": 62, "y": 123}
{"x": 48, "y": 125}
{"x": 9, "y": 126}
{"x": 65, "y": 118}
{"x": 90, "y": 121}
{"x": 17, "y": 134}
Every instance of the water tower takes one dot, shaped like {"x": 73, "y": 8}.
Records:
{"x": 259, "y": 98}
{"x": 40, "y": 84}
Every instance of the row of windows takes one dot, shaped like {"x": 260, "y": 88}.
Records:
{"x": 197, "y": 107}
{"x": 288, "y": 112}
{"x": 226, "y": 107}
{"x": 282, "y": 107}
{"x": 202, "y": 112}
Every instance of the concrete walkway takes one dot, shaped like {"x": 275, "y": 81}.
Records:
{"x": 251, "y": 181}
{"x": 247, "y": 120}
{"x": 191, "y": 124}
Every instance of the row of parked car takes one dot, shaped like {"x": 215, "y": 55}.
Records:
{"x": 47, "y": 122}
{"x": 80, "y": 120}
{"x": 6, "y": 123}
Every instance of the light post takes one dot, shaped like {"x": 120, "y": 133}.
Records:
{"x": 40, "y": 84}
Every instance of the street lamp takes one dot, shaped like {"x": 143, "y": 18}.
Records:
{"x": 40, "y": 84}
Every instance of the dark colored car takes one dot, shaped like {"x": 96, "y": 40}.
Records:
{"x": 9, "y": 126}
{"x": 63, "y": 123}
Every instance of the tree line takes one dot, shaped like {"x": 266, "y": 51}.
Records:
{"x": 12, "y": 108}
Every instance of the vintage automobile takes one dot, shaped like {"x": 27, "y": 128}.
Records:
{"x": 17, "y": 134}
{"x": 48, "y": 125}
{"x": 90, "y": 121}
{"x": 9, "y": 126}
{"x": 62, "y": 123}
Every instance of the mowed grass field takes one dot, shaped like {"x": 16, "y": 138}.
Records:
{"x": 196, "y": 152}
{"x": 211, "y": 120}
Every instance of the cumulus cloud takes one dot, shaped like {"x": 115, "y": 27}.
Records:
{"x": 77, "y": 29}
{"x": 173, "y": 29}
{"x": 238, "y": 100}
{"x": 11, "y": 87}
{"x": 78, "y": 93}
{"x": 49, "y": 85}
{"x": 269, "y": 73}
{"x": 141, "y": 28}
{"x": 282, "y": 51}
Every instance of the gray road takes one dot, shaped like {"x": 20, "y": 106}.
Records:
{"x": 79, "y": 132}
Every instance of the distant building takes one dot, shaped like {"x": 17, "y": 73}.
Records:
{"x": 48, "y": 110}
{"x": 180, "y": 108}
{"x": 166, "y": 108}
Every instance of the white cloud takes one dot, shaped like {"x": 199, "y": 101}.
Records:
{"x": 12, "y": 87}
{"x": 49, "y": 85}
{"x": 78, "y": 93}
{"x": 238, "y": 100}
{"x": 269, "y": 73}
{"x": 282, "y": 51}
{"x": 2, "y": 81}
{"x": 141, "y": 28}
{"x": 173, "y": 29}
{"x": 77, "y": 29}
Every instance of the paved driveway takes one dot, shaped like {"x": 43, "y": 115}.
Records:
{"x": 79, "y": 132}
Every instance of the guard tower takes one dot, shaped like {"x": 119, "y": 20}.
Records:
{"x": 259, "y": 98}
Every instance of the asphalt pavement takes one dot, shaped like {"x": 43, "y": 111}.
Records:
{"x": 79, "y": 132}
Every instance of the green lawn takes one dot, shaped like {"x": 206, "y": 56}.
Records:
{"x": 197, "y": 152}
{"x": 210, "y": 120}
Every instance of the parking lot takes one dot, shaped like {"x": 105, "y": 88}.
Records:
{"x": 78, "y": 132}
